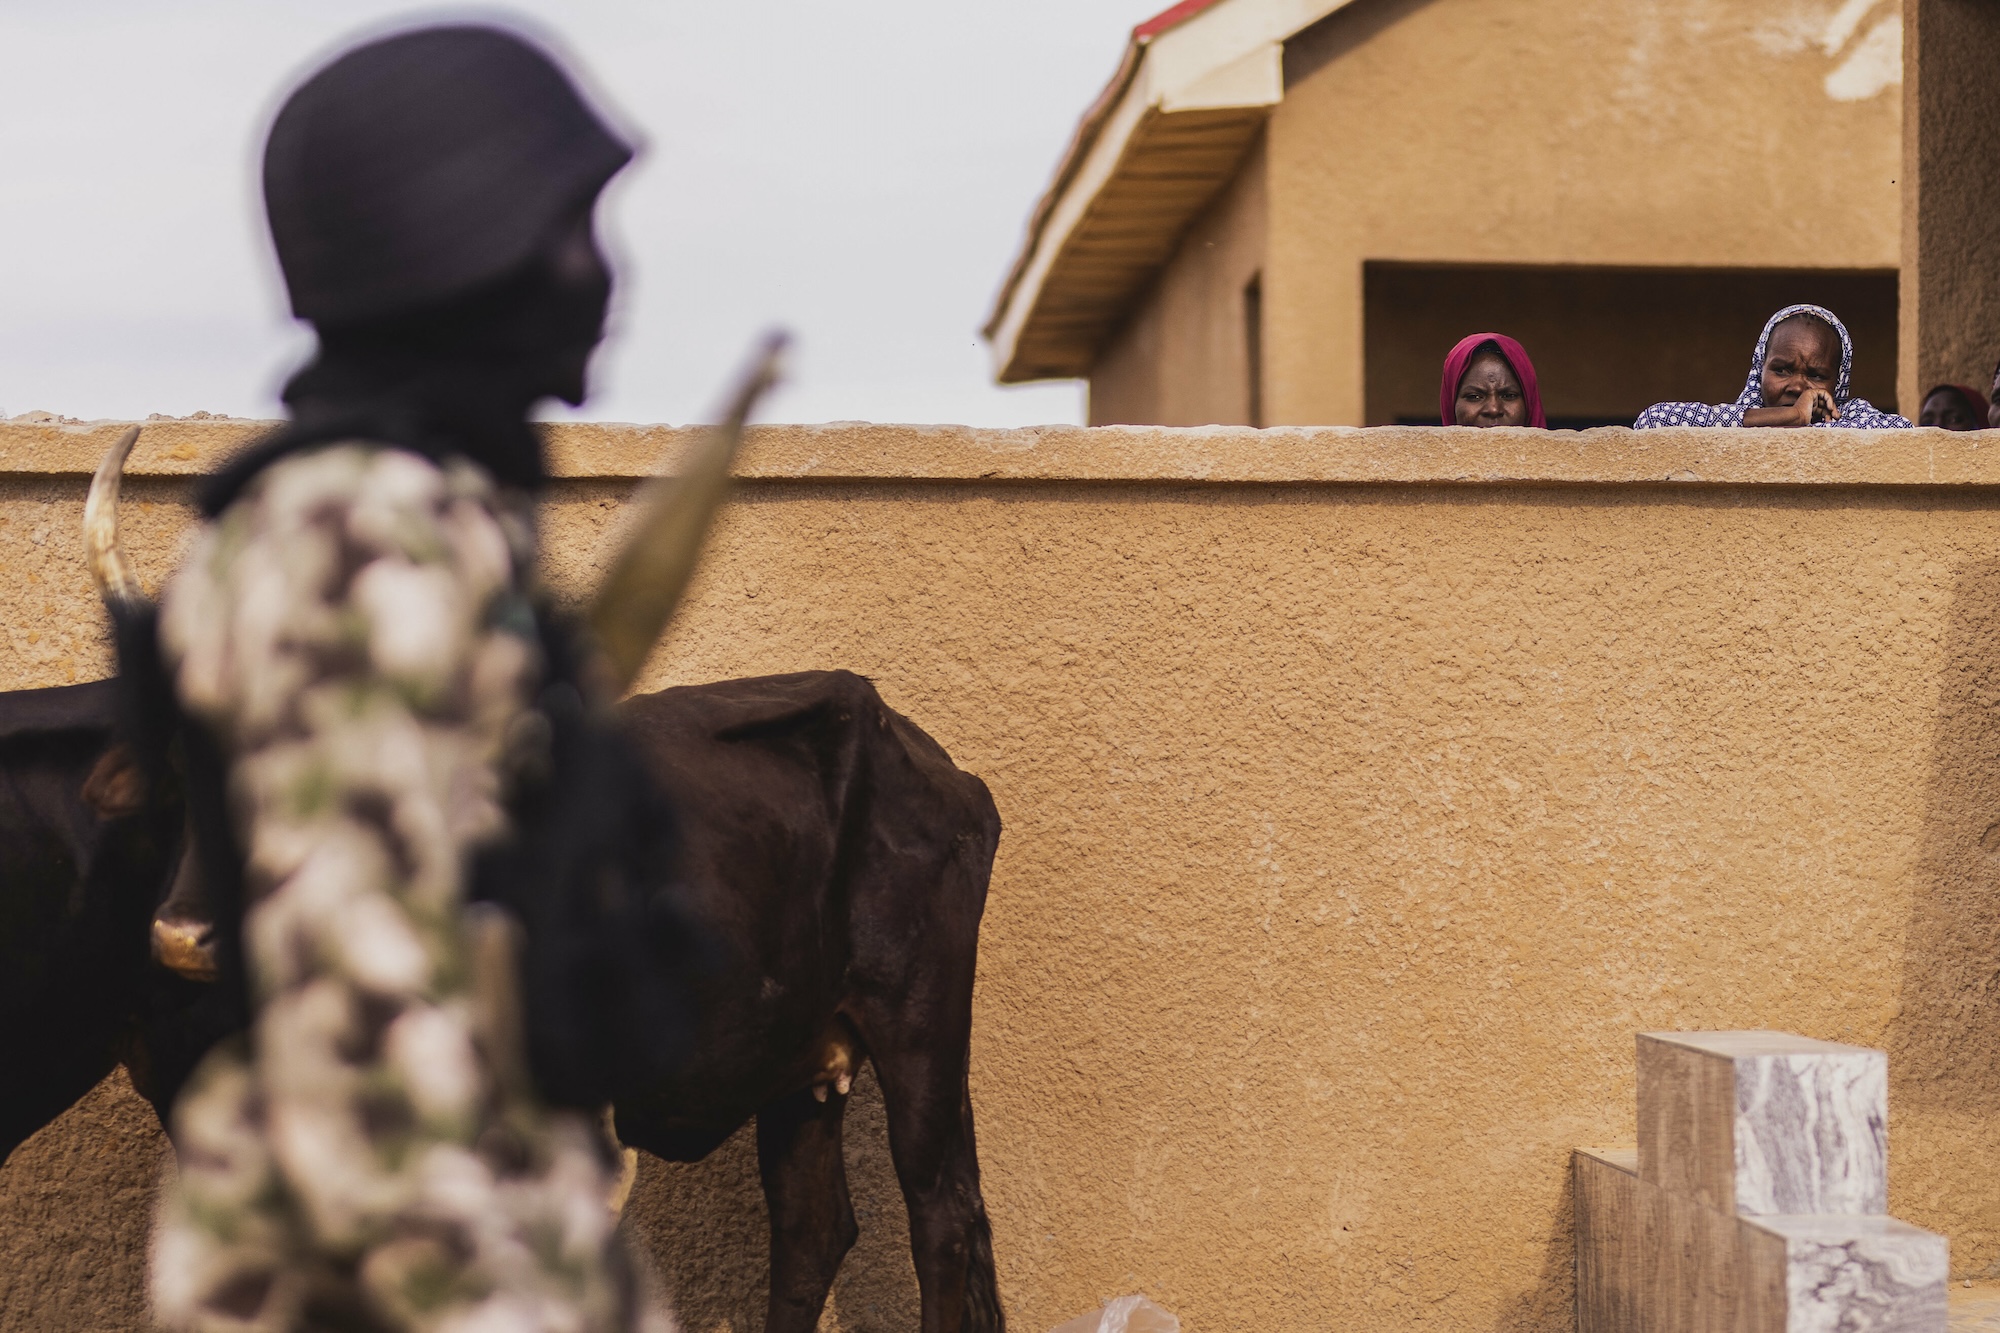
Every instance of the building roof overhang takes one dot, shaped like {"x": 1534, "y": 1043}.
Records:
{"x": 1196, "y": 84}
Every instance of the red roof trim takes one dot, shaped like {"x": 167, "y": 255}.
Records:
{"x": 1080, "y": 144}
{"x": 1171, "y": 18}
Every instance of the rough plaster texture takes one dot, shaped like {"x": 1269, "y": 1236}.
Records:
{"x": 1615, "y": 132}
{"x": 1951, "y": 216}
{"x": 76, "y": 1204}
{"x": 1365, "y": 793}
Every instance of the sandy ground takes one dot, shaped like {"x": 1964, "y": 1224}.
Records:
{"x": 1975, "y": 1307}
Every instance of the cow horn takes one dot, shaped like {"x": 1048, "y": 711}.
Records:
{"x": 628, "y": 1166}
{"x": 646, "y": 579}
{"x": 117, "y": 584}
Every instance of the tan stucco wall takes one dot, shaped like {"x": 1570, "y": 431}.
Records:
{"x": 76, "y": 1202}
{"x": 1182, "y": 357}
{"x": 1364, "y": 793}
{"x": 1698, "y": 132}
{"x": 1951, "y": 216}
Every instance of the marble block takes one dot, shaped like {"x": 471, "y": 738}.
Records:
{"x": 1649, "y": 1260}
{"x": 1765, "y": 1123}
{"x": 1846, "y": 1274}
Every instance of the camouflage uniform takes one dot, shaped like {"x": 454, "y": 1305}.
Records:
{"x": 353, "y": 631}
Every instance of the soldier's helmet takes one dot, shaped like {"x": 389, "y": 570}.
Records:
{"x": 425, "y": 165}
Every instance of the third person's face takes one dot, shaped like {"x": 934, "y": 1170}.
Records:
{"x": 1949, "y": 409}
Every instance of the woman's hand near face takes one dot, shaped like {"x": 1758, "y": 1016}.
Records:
{"x": 1800, "y": 365}
{"x": 1813, "y": 406}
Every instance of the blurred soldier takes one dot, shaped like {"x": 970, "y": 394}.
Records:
{"x": 369, "y": 682}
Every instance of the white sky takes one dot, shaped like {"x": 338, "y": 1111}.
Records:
{"x": 860, "y": 172}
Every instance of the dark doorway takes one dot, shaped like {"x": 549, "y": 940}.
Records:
{"x": 1253, "y": 345}
{"x": 1608, "y": 342}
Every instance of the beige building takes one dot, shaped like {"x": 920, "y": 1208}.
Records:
{"x": 1286, "y": 211}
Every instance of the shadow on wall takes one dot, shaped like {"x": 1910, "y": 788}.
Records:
{"x": 705, "y": 1226}
{"x": 1944, "y": 1043}
{"x": 76, "y": 1203}
{"x": 1550, "y": 1305}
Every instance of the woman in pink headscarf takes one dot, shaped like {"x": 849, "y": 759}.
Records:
{"x": 1489, "y": 381}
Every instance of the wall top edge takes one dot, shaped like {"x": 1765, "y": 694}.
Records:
{"x": 1208, "y": 455}
{"x": 1756, "y": 1043}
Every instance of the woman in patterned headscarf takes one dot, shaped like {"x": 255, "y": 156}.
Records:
{"x": 1799, "y": 376}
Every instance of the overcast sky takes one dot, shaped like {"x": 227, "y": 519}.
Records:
{"x": 859, "y": 172}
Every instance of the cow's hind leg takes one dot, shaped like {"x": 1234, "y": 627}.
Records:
{"x": 812, "y": 1218}
{"x": 929, "y": 1108}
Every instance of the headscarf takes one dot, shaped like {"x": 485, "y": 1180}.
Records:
{"x": 1753, "y": 388}
{"x": 1514, "y": 354}
{"x": 1973, "y": 399}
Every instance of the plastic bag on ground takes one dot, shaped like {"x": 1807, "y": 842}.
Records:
{"x": 1126, "y": 1314}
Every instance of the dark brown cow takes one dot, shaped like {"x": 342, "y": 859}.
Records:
{"x": 841, "y": 859}
{"x": 84, "y": 855}
{"x": 832, "y": 855}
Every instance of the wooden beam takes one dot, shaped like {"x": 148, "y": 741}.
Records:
{"x": 1174, "y": 164}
